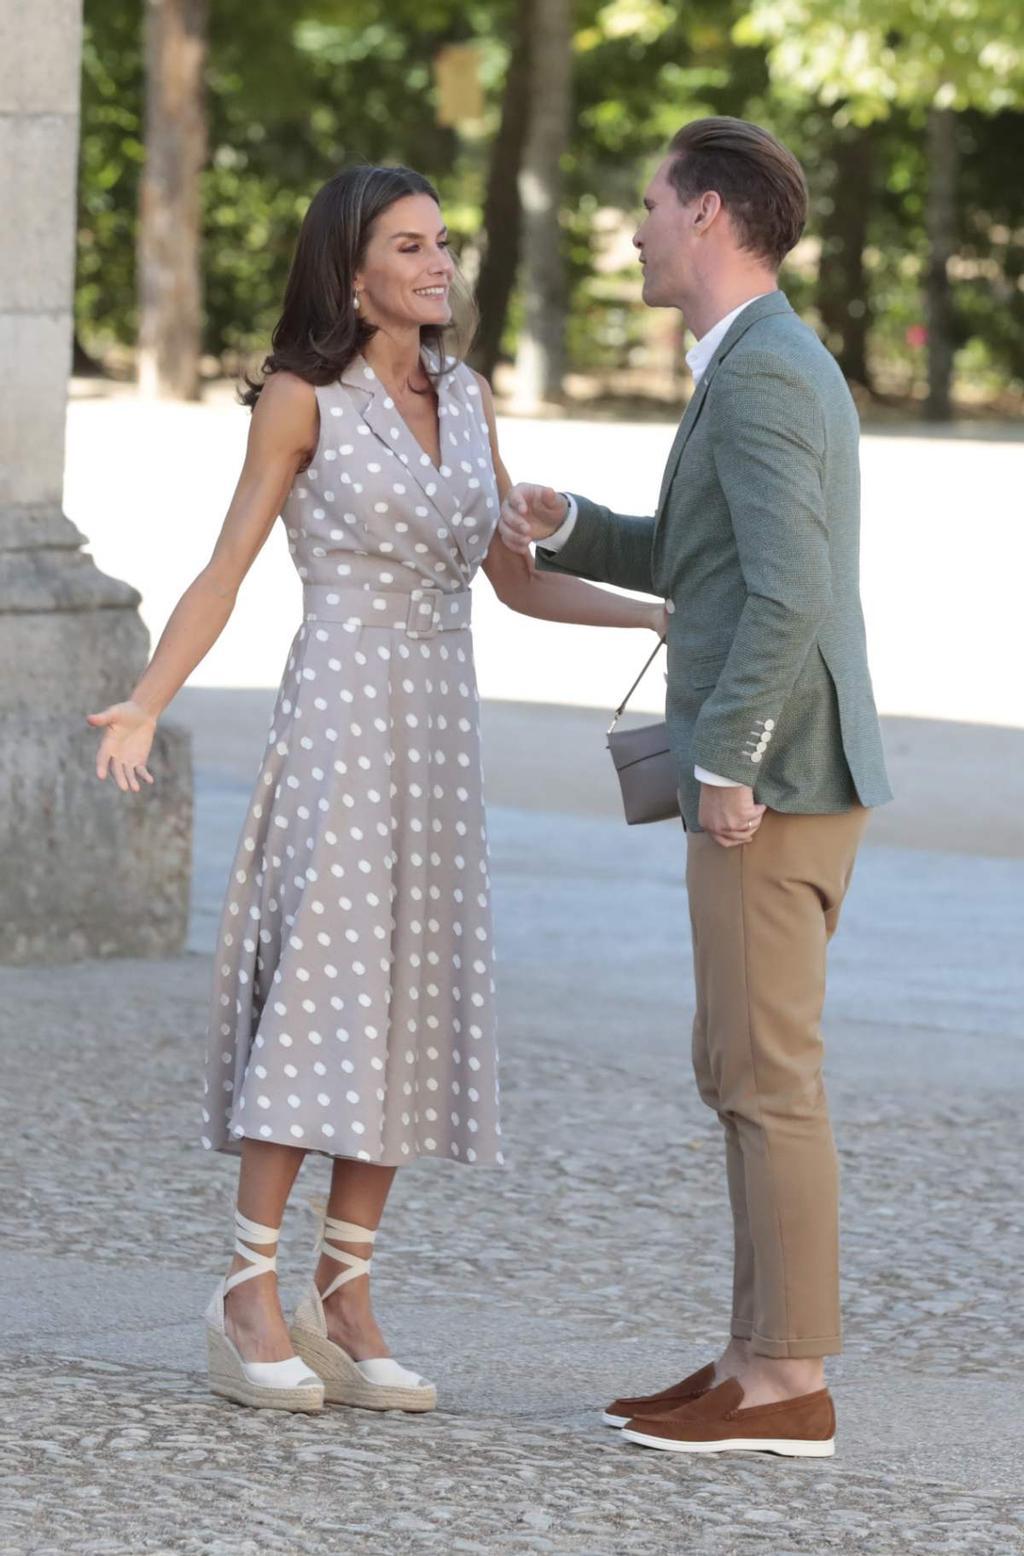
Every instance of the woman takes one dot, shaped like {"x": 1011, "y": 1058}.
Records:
{"x": 353, "y": 1003}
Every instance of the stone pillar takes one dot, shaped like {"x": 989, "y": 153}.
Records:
{"x": 84, "y": 869}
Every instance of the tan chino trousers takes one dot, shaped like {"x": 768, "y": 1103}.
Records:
{"x": 762, "y": 915}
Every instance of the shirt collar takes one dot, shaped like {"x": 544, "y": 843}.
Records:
{"x": 698, "y": 358}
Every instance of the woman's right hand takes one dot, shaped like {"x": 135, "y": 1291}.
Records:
{"x": 660, "y": 619}
{"x": 126, "y": 743}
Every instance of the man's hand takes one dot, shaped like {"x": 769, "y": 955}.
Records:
{"x": 731, "y": 815}
{"x": 530, "y": 513}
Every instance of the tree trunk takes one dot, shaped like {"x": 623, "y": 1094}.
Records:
{"x": 540, "y": 363}
{"x": 170, "y": 300}
{"x": 941, "y": 217}
{"x": 502, "y": 211}
{"x": 843, "y": 297}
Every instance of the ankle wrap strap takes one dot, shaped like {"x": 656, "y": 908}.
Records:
{"x": 344, "y": 1231}
{"x": 259, "y": 1263}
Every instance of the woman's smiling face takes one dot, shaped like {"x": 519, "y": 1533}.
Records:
{"x": 406, "y": 276}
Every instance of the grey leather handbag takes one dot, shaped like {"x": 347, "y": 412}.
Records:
{"x": 647, "y": 770}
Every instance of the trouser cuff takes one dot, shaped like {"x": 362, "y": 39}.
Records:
{"x": 824, "y": 1345}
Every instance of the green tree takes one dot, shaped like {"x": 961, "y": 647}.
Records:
{"x": 111, "y": 154}
{"x": 292, "y": 94}
{"x": 295, "y": 91}
{"x": 873, "y": 56}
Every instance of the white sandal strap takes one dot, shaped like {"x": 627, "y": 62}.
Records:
{"x": 259, "y": 1263}
{"x": 253, "y": 1231}
{"x": 344, "y": 1231}
{"x": 347, "y": 1231}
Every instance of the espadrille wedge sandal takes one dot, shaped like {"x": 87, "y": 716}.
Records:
{"x": 280, "y": 1385}
{"x": 377, "y": 1384}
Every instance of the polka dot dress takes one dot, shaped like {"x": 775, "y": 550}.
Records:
{"x": 353, "y": 1001}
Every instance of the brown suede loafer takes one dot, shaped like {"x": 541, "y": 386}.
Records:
{"x": 717, "y": 1423}
{"x": 622, "y": 1411}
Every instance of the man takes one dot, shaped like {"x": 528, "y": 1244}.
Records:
{"x": 772, "y": 719}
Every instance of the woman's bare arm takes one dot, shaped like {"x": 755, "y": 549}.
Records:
{"x": 282, "y": 436}
{"x": 553, "y": 596}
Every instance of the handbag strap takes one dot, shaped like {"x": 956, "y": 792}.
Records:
{"x": 620, "y": 710}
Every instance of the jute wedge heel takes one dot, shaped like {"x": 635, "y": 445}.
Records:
{"x": 377, "y": 1384}
{"x": 280, "y": 1385}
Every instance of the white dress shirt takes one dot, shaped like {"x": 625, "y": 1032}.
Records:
{"x": 698, "y": 360}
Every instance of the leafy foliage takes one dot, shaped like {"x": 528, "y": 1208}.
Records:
{"x": 873, "y": 55}
{"x": 110, "y": 158}
{"x": 296, "y": 90}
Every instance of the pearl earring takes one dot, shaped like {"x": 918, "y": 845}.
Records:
{"x": 355, "y": 301}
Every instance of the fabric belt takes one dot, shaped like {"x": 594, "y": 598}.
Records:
{"x": 419, "y": 613}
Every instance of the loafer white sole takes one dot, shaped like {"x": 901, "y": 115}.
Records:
{"x": 793, "y": 1448}
{"x": 610, "y": 1420}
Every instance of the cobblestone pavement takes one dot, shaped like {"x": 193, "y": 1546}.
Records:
{"x": 596, "y": 1261}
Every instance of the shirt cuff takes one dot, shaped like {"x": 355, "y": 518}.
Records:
{"x": 703, "y": 776}
{"x": 561, "y": 535}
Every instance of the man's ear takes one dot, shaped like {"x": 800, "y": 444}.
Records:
{"x": 708, "y": 209}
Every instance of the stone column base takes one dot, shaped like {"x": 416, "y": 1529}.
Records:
{"x": 84, "y": 869}
{"x": 89, "y": 871}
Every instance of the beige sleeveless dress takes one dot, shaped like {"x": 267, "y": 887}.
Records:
{"x": 353, "y": 1001}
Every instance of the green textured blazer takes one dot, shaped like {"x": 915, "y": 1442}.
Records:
{"x": 756, "y": 543}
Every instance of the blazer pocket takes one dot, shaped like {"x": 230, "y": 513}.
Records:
{"x": 704, "y": 671}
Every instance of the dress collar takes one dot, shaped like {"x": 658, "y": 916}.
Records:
{"x": 453, "y": 488}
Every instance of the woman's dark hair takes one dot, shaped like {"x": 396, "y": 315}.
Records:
{"x": 760, "y": 182}
{"x": 320, "y": 330}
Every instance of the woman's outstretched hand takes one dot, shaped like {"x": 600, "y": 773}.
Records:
{"x": 124, "y": 749}
{"x": 530, "y": 513}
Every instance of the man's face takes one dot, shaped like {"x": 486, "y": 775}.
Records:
{"x": 667, "y": 240}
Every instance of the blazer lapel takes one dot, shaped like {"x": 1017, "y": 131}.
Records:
{"x": 679, "y": 442}
{"x": 760, "y": 308}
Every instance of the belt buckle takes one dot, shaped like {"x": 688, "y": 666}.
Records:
{"x": 423, "y": 618}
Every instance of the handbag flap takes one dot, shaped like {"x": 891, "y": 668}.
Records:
{"x": 628, "y": 746}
